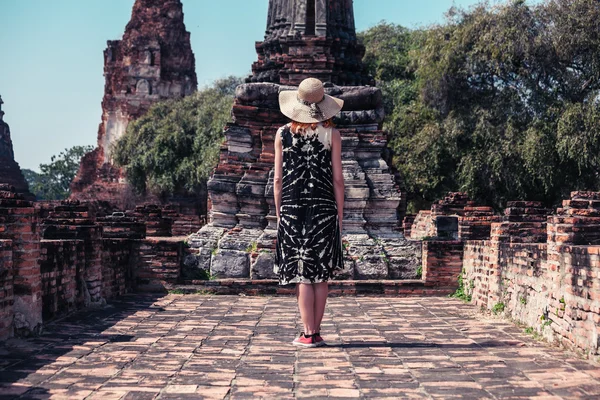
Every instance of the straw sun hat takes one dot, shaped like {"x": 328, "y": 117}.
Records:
{"x": 309, "y": 104}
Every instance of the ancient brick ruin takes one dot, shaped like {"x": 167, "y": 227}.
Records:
{"x": 534, "y": 265}
{"x": 152, "y": 62}
{"x": 57, "y": 257}
{"x": 304, "y": 39}
{"x": 10, "y": 172}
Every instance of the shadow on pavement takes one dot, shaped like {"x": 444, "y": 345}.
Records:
{"x": 408, "y": 345}
{"x": 21, "y": 359}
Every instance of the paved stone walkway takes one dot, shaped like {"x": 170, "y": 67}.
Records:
{"x": 234, "y": 347}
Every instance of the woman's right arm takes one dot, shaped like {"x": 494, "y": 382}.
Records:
{"x": 338, "y": 175}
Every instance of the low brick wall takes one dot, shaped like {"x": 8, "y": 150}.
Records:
{"x": 442, "y": 262}
{"x": 422, "y": 225}
{"x": 6, "y": 289}
{"x": 62, "y": 264}
{"x": 560, "y": 300}
{"x": 158, "y": 263}
{"x": 552, "y": 286}
{"x": 512, "y": 274}
{"x": 574, "y": 306}
{"x": 18, "y": 224}
{"x": 119, "y": 259}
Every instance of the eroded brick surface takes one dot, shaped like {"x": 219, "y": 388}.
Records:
{"x": 193, "y": 346}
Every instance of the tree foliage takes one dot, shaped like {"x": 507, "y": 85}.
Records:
{"x": 503, "y": 101}
{"x": 175, "y": 145}
{"x": 53, "y": 182}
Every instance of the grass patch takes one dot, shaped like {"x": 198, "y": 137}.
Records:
{"x": 460, "y": 292}
{"x": 253, "y": 247}
{"x": 498, "y": 308}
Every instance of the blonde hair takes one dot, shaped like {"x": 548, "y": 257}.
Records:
{"x": 301, "y": 127}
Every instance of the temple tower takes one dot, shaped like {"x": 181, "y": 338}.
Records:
{"x": 304, "y": 38}
{"x": 10, "y": 172}
{"x": 152, "y": 62}
{"x": 310, "y": 37}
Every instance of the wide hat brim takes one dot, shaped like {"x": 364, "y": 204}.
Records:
{"x": 299, "y": 112}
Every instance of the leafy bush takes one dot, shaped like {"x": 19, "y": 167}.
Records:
{"x": 175, "y": 145}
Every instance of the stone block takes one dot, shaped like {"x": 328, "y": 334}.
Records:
{"x": 230, "y": 264}
{"x": 262, "y": 267}
{"x": 371, "y": 267}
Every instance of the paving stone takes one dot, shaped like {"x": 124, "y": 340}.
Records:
{"x": 237, "y": 347}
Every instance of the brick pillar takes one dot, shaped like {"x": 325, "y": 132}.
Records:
{"x": 476, "y": 223}
{"x": 156, "y": 224}
{"x": 72, "y": 220}
{"x": 18, "y": 223}
{"x": 573, "y": 260}
{"x": 121, "y": 236}
{"x": 578, "y": 221}
{"x": 407, "y": 223}
{"x": 442, "y": 263}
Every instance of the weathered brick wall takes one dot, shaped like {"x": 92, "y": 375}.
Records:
{"x": 574, "y": 309}
{"x": 158, "y": 263}
{"x": 442, "y": 262}
{"x": 77, "y": 262}
{"x": 407, "y": 223}
{"x": 422, "y": 225}
{"x": 6, "y": 289}
{"x": 72, "y": 220}
{"x": 118, "y": 264}
{"x": 476, "y": 223}
{"x": 62, "y": 265}
{"x": 479, "y": 277}
{"x": 511, "y": 274}
{"x": 552, "y": 286}
{"x": 18, "y": 223}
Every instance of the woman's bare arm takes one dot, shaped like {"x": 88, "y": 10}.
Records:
{"x": 278, "y": 175}
{"x": 338, "y": 176}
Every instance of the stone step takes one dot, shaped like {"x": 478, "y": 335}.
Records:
{"x": 383, "y": 287}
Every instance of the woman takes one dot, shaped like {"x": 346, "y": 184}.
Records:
{"x": 309, "y": 199}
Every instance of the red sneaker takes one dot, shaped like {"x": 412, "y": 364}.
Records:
{"x": 319, "y": 340}
{"x": 303, "y": 341}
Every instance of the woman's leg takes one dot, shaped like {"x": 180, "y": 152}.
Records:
{"x": 321, "y": 291}
{"x": 306, "y": 303}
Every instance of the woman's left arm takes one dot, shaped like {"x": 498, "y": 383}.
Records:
{"x": 278, "y": 175}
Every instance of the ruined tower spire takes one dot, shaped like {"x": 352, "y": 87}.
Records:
{"x": 314, "y": 38}
{"x": 152, "y": 62}
{"x": 10, "y": 172}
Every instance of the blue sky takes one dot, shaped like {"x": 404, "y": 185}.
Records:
{"x": 52, "y": 57}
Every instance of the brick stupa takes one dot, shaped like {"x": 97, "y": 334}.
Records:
{"x": 304, "y": 39}
{"x": 10, "y": 172}
{"x": 154, "y": 61}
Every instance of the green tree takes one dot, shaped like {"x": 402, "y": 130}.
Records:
{"x": 506, "y": 101}
{"x": 53, "y": 182}
{"x": 387, "y": 60}
{"x": 175, "y": 145}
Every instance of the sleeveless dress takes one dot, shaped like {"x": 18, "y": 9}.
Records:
{"x": 309, "y": 243}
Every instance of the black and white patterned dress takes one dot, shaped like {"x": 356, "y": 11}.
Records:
{"x": 309, "y": 244}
